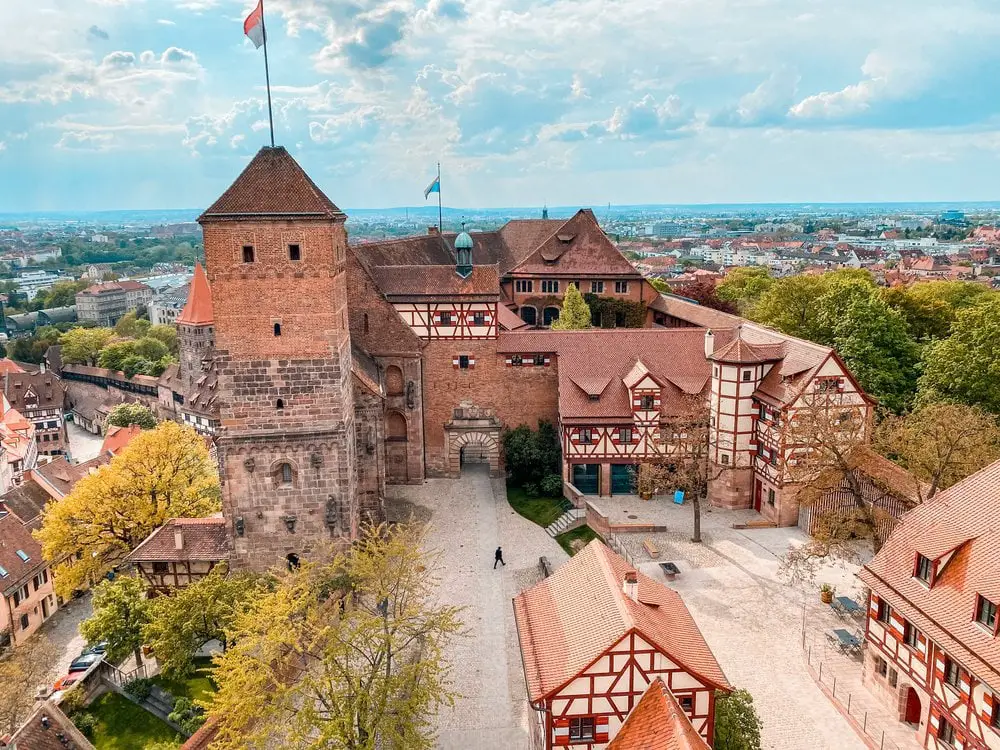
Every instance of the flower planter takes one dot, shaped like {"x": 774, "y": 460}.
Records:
{"x": 826, "y": 597}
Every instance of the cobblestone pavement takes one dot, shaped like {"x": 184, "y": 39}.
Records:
{"x": 83, "y": 445}
{"x": 754, "y": 621}
{"x": 62, "y": 629}
{"x": 469, "y": 518}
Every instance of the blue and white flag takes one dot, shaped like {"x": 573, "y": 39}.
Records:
{"x": 434, "y": 187}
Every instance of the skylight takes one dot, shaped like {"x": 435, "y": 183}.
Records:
{"x": 23, "y": 555}
{"x": 3, "y": 572}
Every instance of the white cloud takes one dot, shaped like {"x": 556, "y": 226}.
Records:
{"x": 85, "y": 141}
{"x": 166, "y": 22}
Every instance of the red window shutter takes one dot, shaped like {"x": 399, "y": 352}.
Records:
{"x": 988, "y": 708}
{"x": 932, "y": 730}
{"x": 560, "y": 732}
{"x": 601, "y": 729}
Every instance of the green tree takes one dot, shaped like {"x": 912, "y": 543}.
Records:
{"x": 575, "y": 314}
{"x": 940, "y": 444}
{"x": 114, "y": 355}
{"x": 121, "y": 612}
{"x": 344, "y": 653}
{"x": 84, "y": 345}
{"x": 136, "y": 365}
{"x": 737, "y": 725}
{"x": 130, "y": 326}
{"x": 744, "y": 286}
{"x": 965, "y": 367}
{"x": 167, "y": 335}
{"x": 926, "y": 317}
{"x": 790, "y": 305}
{"x": 181, "y": 623}
{"x": 704, "y": 293}
{"x": 531, "y": 455}
{"x": 124, "y": 415}
{"x": 151, "y": 348}
{"x": 62, "y": 294}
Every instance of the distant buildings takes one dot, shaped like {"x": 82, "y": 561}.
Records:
{"x": 30, "y": 283}
{"x": 40, "y": 397}
{"x": 167, "y": 305}
{"x": 105, "y": 304}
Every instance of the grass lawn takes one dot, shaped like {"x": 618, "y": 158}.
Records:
{"x": 577, "y": 539}
{"x": 198, "y": 686}
{"x": 122, "y": 725}
{"x": 541, "y": 510}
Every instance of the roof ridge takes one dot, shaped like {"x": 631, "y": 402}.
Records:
{"x": 602, "y": 551}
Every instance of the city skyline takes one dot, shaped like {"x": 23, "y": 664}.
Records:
{"x": 125, "y": 104}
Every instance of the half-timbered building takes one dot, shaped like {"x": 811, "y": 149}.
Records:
{"x": 933, "y": 652}
{"x": 594, "y": 634}
{"x": 181, "y": 552}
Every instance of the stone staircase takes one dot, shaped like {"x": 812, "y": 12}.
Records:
{"x": 573, "y": 518}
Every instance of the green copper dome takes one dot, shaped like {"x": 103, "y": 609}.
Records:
{"x": 463, "y": 241}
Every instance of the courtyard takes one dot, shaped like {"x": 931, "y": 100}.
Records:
{"x": 750, "y": 617}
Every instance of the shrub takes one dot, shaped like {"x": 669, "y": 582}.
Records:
{"x": 531, "y": 455}
{"x": 187, "y": 715}
{"x": 737, "y": 726}
{"x": 551, "y": 485}
{"x": 73, "y": 700}
{"x": 139, "y": 688}
{"x": 86, "y": 723}
{"x": 531, "y": 489}
{"x": 125, "y": 414}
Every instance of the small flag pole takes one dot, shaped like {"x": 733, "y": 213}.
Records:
{"x": 267, "y": 75}
{"x": 440, "y": 222}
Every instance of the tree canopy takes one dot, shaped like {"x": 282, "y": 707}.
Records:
{"x": 737, "y": 725}
{"x": 121, "y": 612}
{"x": 705, "y": 294}
{"x": 345, "y": 652}
{"x": 162, "y": 473}
{"x": 744, "y": 286}
{"x": 84, "y": 345}
{"x": 124, "y": 415}
{"x": 574, "y": 314}
{"x": 531, "y": 455}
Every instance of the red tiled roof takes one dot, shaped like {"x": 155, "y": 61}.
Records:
{"x": 964, "y": 518}
{"x": 508, "y": 319}
{"x": 59, "y": 476}
{"x": 599, "y": 360}
{"x": 27, "y": 501}
{"x": 16, "y": 537}
{"x": 57, "y": 732}
{"x": 579, "y": 246}
{"x": 566, "y": 621}
{"x": 435, "y": 281}
{"x": 203, "y": 539}
{"x": 7, "y": 365}
{"x": 198, "y": 308}
{"x": 46, "y": 386}
{"x": 272, "y": 185}
{"x": 740, "y": 351}
{"x": 657, "y": 723}
{"x": 117, "y": 438}
{"x": 130, "y": 285}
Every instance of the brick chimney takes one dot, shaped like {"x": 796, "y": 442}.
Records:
{"x": 630, "y": 586}
{"x": 178, "y": 537}
{"x": 709, "y": 343}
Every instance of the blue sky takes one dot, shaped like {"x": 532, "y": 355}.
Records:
{"x": 159, "y": 103}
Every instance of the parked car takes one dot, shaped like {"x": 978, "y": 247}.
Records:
{"x": 97, "y": 648}
{"x": 67, "y": 681}
{"x": 84, "y": 661}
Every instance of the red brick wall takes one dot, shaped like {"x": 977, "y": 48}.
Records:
{"x": 517, "y": 395}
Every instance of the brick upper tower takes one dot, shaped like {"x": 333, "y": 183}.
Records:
{"x": 275, "y": 248}
{"x": 195, "y": 329}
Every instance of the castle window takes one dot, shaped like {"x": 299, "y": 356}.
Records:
{"x": 986, "y": 613}
{"x": 686, "y": 703}
{"x": 277, "y": 329}
{"x": 770, "y": 497}
{"x": 366, "y": 322}
{"x": 621, "y": 287}
{"x": 746, "y": 375}
{"x": 581, "y": 728}
{"x": 248, "y": 253}
{"x": 463, "y": 361}
{"x": 161, "y": 568}
{"x": 279, "y": 404}
{"x": 522, "y": 285}
{"x": 924, "y": 568}
{"x": 294, "y": 252}
{"x": 539, "y": 360}
{"x": 883, "y": 612}
{"x": 478, "y": 318}
{"x": 625, "y": 435}
{"x": 646, "y": 403}
{"x": 516, "y": 360}
{"x": 952, "y": 673}
{"x": 550, "y": 287}
{"x": 293, "y": 561}
{"x": 585, "y": 437}
{"x": 286, "y": 473}
{"x": 946, "y": 732}
{"x": 446, "y": 318}
{"x": 597, "y": 287}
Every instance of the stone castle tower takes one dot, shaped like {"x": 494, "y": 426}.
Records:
{"x": 195, "y": 329}
{"x": 275, "y": 250}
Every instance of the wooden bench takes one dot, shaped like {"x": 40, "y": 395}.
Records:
{"x": 651, "y": 548}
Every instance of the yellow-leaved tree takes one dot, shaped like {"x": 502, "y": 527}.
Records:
{"x": 163, "y": 473}
{"x": 348, "y": 652}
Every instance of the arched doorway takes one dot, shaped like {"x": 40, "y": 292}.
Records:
{"x": 529, "y": 314}
{"x": 479, "y": 447}
{"x": 913, "y": 710}
{"x": 396, "y": 448}
{"x": 550, "y": 315}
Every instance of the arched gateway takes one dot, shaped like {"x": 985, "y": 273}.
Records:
{"x": 472, "y": 437}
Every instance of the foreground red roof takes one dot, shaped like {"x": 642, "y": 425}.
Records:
{"x": 566, "y": 621}
{"x": 964, "y": 519}
{"x": 118, "y": 437}
{"x": 657, "y": 723}
{"x": 202, "y": 539}
{"x": 198, "y": 309}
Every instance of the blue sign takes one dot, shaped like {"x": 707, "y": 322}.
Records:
{"x": 679, "y": 497}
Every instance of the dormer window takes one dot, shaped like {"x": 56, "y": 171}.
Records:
{"x": 925, "y": 569}
{"x": 986, "y": 613}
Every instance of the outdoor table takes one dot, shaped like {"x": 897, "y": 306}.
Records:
{"x": 848, "y": 606}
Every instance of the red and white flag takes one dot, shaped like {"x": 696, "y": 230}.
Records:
{"x": 253, "y": 27}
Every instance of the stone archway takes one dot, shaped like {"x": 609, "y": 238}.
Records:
{"x": 474, "y": 434}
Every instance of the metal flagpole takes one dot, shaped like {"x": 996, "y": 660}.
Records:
{"x": 440, "y": 222}
{"x": 267, "y": 75}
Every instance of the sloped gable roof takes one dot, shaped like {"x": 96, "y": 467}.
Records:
{"x": 198, "y": 309}
{"x": 272, "y": 185}
{"x": 579, "y": 246}
{"x": 568, "y": 620}
{"x": 657, "y": 722}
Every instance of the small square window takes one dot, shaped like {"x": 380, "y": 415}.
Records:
{"x": 884, "y": 612}
{"x": 248, "y": 253}
{"x": 686, "y": 702}
{"x": 277, "y": 329}
{"x": 539, "y": 360}
{"x": 646, "y": 403}
{"x": 597, "y": 287}
{"x": 881, "y": 666}
{"x": 911, "y": 636}
{"x": 946, "y": 732}
{"x": 516, "y": 360}
{"x": 446, "y": 318}
{"x": 160, "y": 568}
{"x": 294, "y": 252}
{"x": 478, "y": 318}
{"x": 952, "y": 673}
{"x": 585, "y": 437}
{"x": 25, "y": 622}
{"x": 747, "y": 374}
{"x": 770, "y": 497}
{"x": 986, "y": 613}
{"x": 621, "y": 287}
{"x": 893, "y": 678}
{"x": 463, "y": 361}
{"x": 725, "y": 459}
{"x": 581, "y": 728}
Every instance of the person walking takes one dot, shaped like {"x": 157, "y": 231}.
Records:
{"x": 498, "y": 558}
